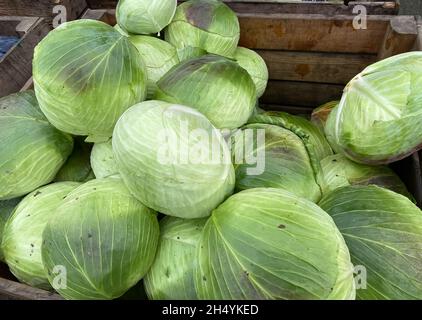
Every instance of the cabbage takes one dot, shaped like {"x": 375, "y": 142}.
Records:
{"x": 32, "y": 150}
{"x": 171, "y": 276}
{"x": 256, "y": 67}
{"x": 86, "y": 74}
{"x": 207, "y": 24}
{"x": 379, "y": 117}
{"x": 267, "y": 243}
{"x": 23, "y": 231}
{"x": 190, "y": 53}
{"x": 6, "y": 209}
{"x": 103, "y": 238}
{"x": 383, "y": 231}
{"x": 217, "y": 87}
{"x": 281, "y": 161}
{"x": 172, "y": 159}
{"x": 102, "y": 160}
{"x": 159, "y": 57}
{"x": 123, "y": 32}
{"x": 145, "y": 16}
{"x": 77, "y": 168}
{"x": 320, "y": 114}
{"x": 338, "y": 171}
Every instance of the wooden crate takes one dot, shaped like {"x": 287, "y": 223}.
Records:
{"x": 42, "y": 8}
{"x": 16, "y": 64}
{"x": 310, "y": 58}
{"x": 330, "y": 7}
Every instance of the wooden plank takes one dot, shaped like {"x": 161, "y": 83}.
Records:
{"x": 15, "y": 26}
{"x": 17, "y": 291}
{"x": 400, "y": 36}
{"x": 296, "y": 93}
{"x": 42, "y": 8}
{"x": 16, "y": 65}
{"x": 268, "y": 6}
{"x": 335, "y": 68}
{"x": 315, "y": 32}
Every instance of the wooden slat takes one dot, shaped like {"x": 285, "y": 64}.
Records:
{"x": 16, "y": 65}
{"x": 295, "y": 93}
{"x": 268, "y": 6}
{"x": 14, "y": 290}
{"x": 315, "y": 66}
{"x": 400, "y": 37}
{"x": 300, "y": 32}
{"x": 15, "y": 26}
{"x": 42, "y": 8}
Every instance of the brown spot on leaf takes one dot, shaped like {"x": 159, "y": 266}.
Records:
{"x": 281, "y": 226}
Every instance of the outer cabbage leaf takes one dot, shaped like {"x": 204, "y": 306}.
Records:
{"x": 176, "y": 162}
{"x": 217, "y": 87}
{"x": 32, "y": 150}
{"x": 207, "y": 24}
{"x": 270, "y": 244}
{"x": 86, "y": 74}
{"x": 379, "y": 118}
{"x": 171, "y": 276}
{"x": 23, "y": 231}
{"x": 103, "y": 238}
{"x": 383, "y": 231}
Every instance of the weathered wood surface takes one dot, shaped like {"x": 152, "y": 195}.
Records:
{"x": 12, "y": 290}
{"x": 16, "y": 64}
{"x": 42, "y": 8}
{"x": 335, "y": 68}
{"x": 318, "y": 33}
{"x": 274, "y": 6}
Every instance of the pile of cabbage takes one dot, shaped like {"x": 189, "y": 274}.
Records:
{"x": 141, "y": 162}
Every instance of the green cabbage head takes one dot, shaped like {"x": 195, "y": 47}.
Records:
{"x": 207, "y": 24}
{"x": 171, "y": 276}
{"x": 159, "y": 57}
{"x": 86, "y": 74}
{"x": 101, "y": 239}
{"x": 383, "y": 231}
{"x": 173, "y": 159}
{"x": 216, "y": 86}
{"x": 256, "y": 67}
{"x": 379, "y": 117}
{"x": 338, "y": 171}
{"x": 102, "y": 160}
{"x": 270, "y": 156}
{"x": 267, "y": 243}
{"x": 31, "y": 149}
{"x": 145, "y": 16}
{"x": 23, "y": 231}
{"x": 6, "y": 210}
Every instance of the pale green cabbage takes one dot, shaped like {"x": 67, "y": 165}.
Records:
{"x": 22, "y": 238}
{"x": 103, "y": 238}
{"x": 216, "y": 86}
{"x": 207, "y": 24}
{"x": 86, "y": 74}
{"x": 159, "y": 57}
{"x": 379, "y": 117}
{"x": 31, "y": 149}
{"x": 383, "y": 231}
{"x": 145, "y": 16}
{"x": 171, "y": 276}
{"x": 267, "y": 243}
{"x": 102, "y": 160}
{"x": 338, "y": 171}
{"x": 256, "y": 67}
{"x": 173, "y": 159}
